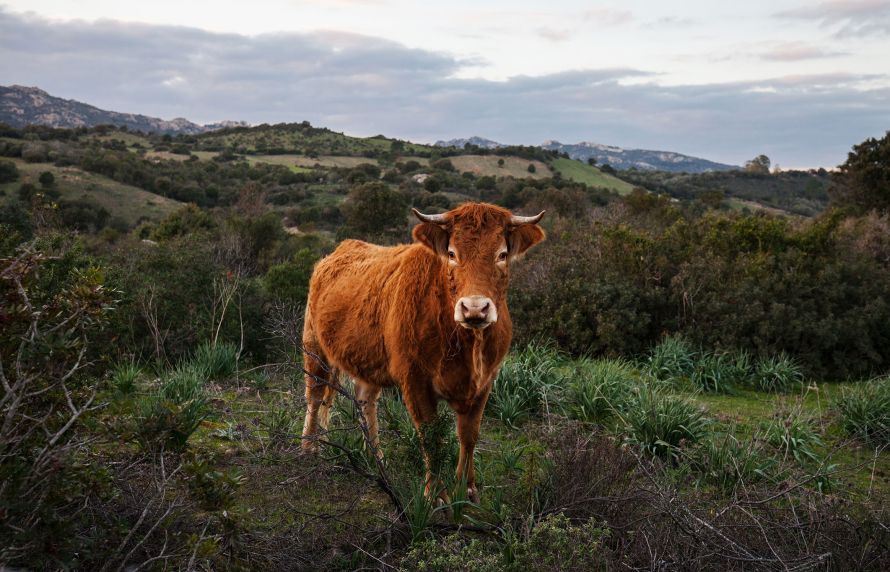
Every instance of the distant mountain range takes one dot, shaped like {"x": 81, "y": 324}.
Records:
{"x": 21, "y": 106}
{"x": 616, "y": 157}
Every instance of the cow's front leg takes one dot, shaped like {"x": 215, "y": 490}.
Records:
{"x": 421, "y": 404}
{"x": 468, "y": 423}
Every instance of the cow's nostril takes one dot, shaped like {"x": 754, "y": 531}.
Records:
{"x": 484, "y": 309}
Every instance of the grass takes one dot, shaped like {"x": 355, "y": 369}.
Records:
{"x": 131, "y": 204}
{"x": 526, "y": 385}
{"x": 662, "y": 424}
{"x": 674, "y": 357}
{"x": 591, "y": 176}
{"x": 778, "y": 374}
{"x": 217, "y": 361}
{"x": 487, "y": 165}
{"x": 124, "y": 376}
{"x": 865, "y": 411}
{"x": 600, "y": 388}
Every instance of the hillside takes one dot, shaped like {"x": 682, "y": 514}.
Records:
{"x": 589, "y": 175}
{"x": 641, "y": 159}
{"x": 127, "y": 203}
{"x": 21, "y": 106}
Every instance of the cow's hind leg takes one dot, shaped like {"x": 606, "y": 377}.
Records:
{"x": 367, "y": 396}
{"x": 322, "y": 381}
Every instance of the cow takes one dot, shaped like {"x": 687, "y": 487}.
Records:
{"x": 429, "y": 317}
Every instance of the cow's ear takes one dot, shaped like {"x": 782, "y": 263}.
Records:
{"x": 433, "y": 236}
{"x": 523, "y": 237}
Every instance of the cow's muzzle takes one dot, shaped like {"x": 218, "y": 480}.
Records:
{"x": 475, "y": 312}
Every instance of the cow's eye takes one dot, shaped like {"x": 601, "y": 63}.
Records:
{"x": 452, "y": 255}
{"x": 502, "y": 256}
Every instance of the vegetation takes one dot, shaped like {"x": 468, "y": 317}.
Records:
{"x": 672, "y": 399}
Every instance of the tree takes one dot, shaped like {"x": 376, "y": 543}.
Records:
{"x": 8, "y": 172}
{"x": 532, "y": 168}
{"x": 373, "y": 210}
{"x": 500, "y": 162}
{"x": 759, "y": 165}
{"x": 591, "y": 161}
{"x": 47, "y": 179}
{"x": 863, "y": 183}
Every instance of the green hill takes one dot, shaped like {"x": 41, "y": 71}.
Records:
{"x": 583, "y": 173}
{"x": 129, "y": 203}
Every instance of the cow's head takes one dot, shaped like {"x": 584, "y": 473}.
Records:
{"x": 478, "y": 241}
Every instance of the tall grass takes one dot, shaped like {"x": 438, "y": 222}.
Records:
{"x": 217, "y": 360}
{"x": 674, "y": 357}
{"x": 778, "y": 374}
{"x": 599, "y": 389}
{"x": 865, "y": 411}
{"x": 662, "y": 424}
{"x": 124, "y": 376}
{"x": 166, "y": 418}
{"x": 727, "y": 463}
{"x": 795, "y": 437}
{"x": 526, "y": 385}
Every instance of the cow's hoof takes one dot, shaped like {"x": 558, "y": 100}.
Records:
{"x": 309, "y": 448}
{"x": 473, "y": 495}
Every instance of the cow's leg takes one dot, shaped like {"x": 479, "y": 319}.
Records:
{"x": 468, "y": 423}
{"x": 321, "y": 382}
{"x": 367, "y": 396}
{"x": 421, "y": 403}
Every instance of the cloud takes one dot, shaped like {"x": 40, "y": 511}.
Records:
{"x": 607, "y": 16}
{"x": 798, "y": 51}
{"x": 849, "y": 18}
{"x": 554, "y": 35}
{"x": 365, "y": 85}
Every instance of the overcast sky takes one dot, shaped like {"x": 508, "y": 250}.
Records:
{"x": 800, "y": 81}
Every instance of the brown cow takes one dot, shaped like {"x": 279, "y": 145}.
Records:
{"x": 429, "y": 317}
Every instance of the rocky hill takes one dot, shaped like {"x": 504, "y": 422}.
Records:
{"x": 21, "y": 106}
{"x": 642, "y": 159}
{"x": 616, "y": 157}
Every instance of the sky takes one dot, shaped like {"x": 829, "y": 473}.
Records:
{"x": 798, "y": 81}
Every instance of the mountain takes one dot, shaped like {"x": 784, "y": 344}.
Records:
{"x": 21, "y": 106}
{"x": 642, "y": 159}
{"x": 477, "y": 141}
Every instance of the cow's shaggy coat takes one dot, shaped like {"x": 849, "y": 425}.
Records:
{"x": 388, "y": 316}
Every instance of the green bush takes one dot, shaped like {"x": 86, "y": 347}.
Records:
{"x": 554, "y": 543}
{"x": 727, "y": 463}
{"x": 778, "y": 374}
{"x": 525, "y": 385}
{"x": 599, "y": 388}
{"x": 662, "y": 424}
{"x": 720, "y": 372}
{"x": 795, "y": 437}
{"x": 165, "y": 419}
{"x": 124, "y": 376}
{"x": 865, "y": 411}
{"x": 218, "y": 361}
{"x": 674, "y": 357}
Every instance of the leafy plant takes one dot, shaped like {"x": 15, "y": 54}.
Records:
{"x": 778, "y": 374}
{"x": 124, "y": 377}
{"x": 599, "y": 389}
{"x": 727, "y": 463}
{"x": 525, "y": 385}
{"x": 795, "y": 437}
{"x": 165, "y": 419}
{"x": 217, "y": 360}
{"x": 719, "y": 372}
{"x": 673, "y": 357}
{"x": 865, "y": 411}
{"x": 662, "y": 424}
{"x": 213, "y": 489}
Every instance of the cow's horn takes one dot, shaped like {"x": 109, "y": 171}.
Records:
{"x": 518, "y": 220}
{"x": 433, "y": 218}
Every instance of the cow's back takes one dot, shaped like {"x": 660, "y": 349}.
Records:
{"x": 364, "y": 303}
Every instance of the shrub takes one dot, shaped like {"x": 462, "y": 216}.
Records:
{"x": 217, "y": 361}
{"x": 525, "y": 384}
{"x": 778, "y": 374}
{"x": 865, "y": 411}
{"x": 599, "y": 388}
{"x": 213, "y": 489}
{"x": 8, "y": 172}
{"x": 673, "y": 357}
{"x": 661, "y": 424}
